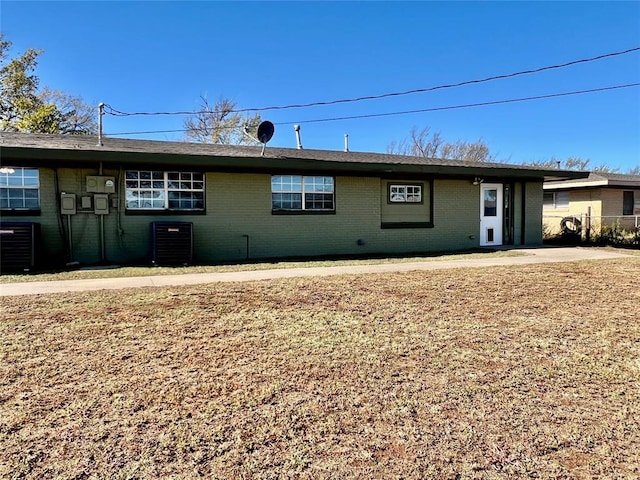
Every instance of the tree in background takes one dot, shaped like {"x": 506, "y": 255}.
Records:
{"x": 220, "y": 124}
{"x": 424, "y": 143}
{"x": 77, "y": 116}
{"x": 24, "y": 108}
{"x": 572, "y": 163}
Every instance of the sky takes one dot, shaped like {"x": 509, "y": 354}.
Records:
{"x": 157, "y": 56}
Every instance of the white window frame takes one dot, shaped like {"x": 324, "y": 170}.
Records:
{"x": 303, "y": 186}
{"x": 153, "y": 189}
{"x": 23, "y": 190}
{"x": 405, "y": 193}
{"x": 560, "y": 200}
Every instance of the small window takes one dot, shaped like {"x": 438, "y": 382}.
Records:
{"x": 19, "y": 188}
{"x": 491, "y": 203}
{"x": 405, "y": 193}
{"x": 157, "y": 190}
{"x": 627, "y": 203}
{"x": 302, "y": 193}
{"x": 553, "y": 200}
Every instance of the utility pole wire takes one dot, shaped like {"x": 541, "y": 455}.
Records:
{"x": 432, "y": 109}
{"x": 113, "y": 111}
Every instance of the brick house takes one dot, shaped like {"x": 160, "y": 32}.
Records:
{"x": 606, "y": 198}
{"x": 105, "y": 203}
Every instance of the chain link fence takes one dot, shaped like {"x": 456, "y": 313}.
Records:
{"x": 592, "y": 229}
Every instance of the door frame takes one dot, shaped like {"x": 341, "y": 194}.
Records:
{"x": 491, "y": 226}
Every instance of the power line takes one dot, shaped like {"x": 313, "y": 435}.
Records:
{"x": 423, "y": 110}
{"x": 468, "y": 105}
{"x": 114, "y": 112}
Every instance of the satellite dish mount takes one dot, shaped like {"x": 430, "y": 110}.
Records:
{"x": 265, "y": 132}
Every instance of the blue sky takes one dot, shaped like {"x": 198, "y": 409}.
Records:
{"x": 161, "y": 56}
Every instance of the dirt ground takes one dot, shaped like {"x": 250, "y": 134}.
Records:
{"x": 507, "y": 372}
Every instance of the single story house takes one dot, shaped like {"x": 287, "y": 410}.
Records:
{"x": 131, "y": 201}
{"x": 600, "y": 199}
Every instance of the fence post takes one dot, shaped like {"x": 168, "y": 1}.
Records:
{"x": 588, "y": 225}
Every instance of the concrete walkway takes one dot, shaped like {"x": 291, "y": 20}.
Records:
{"x": 529, "y": 256}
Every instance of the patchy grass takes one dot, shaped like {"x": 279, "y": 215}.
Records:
{"x": 510, "y": 372}
{"x": 629, "y": 250}
{"x": 116, "y": 272}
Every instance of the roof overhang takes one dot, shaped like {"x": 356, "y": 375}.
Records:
{"x": 575, "y": 184}
{"x": 69, "y": 151}
{"x": 597, "y": 181}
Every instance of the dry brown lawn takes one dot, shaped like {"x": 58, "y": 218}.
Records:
{"x": 512, "y": 372}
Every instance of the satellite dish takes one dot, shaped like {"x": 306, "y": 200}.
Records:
{"x": 265, "y": 131}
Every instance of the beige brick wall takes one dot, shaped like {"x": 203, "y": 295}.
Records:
{"x": 612, "y": 203}
{"x": 605, "y": 204}
{"x": 579, "y": 203}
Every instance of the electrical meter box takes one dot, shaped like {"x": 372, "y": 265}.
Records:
{"x": 101, "y": 184}
{"x": 68, "y": 203}
{"x": 101, "y": 204}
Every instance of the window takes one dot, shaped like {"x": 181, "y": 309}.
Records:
{"x": 19, "y": 188}
{"x": 405, "y": 193}
{"x": 300, "y": 193}
{"x": 556, "y": 200}
{"x": 406, "y": 203}
{"x": 490, "y": 204}
{"x": 154, "y": 190}
{"x": 627, "y": 203}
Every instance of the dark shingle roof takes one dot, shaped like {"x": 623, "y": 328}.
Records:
{"x": 78, "y": 148}
{"x": 597, "y": 179}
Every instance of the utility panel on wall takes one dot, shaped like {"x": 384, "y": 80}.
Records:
{"x": 101, "y": 184}
{"x": 68, "y": 203}
{"x": 101, "y": 204}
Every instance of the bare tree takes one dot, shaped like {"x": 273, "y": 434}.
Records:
{"x": 220, "y": 124}
{"x": 572, "y": 163}
{"x": 77, "y": 117}
{"x": 427, "y": 144}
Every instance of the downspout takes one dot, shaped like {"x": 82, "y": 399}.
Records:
{"x": 63, "y": 234}
{"x": 246, "y": 236}
{"x": 102, "y": 242}
{"x": 102, "y": 239}
{"x": 523, "y": 216}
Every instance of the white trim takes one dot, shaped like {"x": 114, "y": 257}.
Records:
{"x": 491, "y": 226}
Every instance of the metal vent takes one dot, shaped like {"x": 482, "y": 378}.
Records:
{"x": 19, "y": 243}
{"x": 171, "y": 243}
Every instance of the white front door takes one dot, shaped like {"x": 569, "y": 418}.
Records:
{"x": 490, "y": 214}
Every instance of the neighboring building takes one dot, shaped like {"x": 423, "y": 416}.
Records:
{"x": 98, "y": 203}
{"x": 607, "y": 198}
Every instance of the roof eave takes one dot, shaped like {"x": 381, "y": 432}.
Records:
{"x": 275, "y": 160}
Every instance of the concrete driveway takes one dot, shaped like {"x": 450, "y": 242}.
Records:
{"x": 529, "y": 256}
